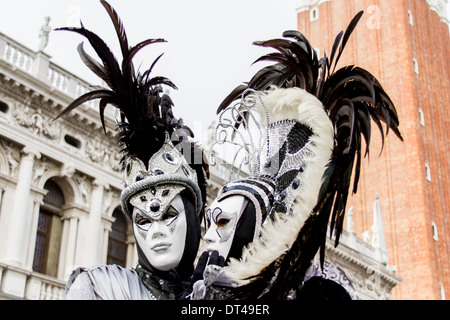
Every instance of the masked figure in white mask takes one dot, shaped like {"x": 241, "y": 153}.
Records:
{"x": 299, "y": 125}
{"x": 164, "y": 188}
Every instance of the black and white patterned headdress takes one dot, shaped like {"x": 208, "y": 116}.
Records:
{"x": 310, "y": 154}
{"x": 289, "y": 133}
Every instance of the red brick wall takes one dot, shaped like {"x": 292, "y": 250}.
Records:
{"x": 385, "y": 44}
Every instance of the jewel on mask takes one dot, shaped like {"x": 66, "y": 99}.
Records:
{"x": 186, "y": 171}
{"x": 169, "y": 158}
{"x": 154, "y": 207}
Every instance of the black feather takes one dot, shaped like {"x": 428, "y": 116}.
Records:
{"x": 145, "y": 111}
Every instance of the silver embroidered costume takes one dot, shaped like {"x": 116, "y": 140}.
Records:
{"x": 110, "y": 282}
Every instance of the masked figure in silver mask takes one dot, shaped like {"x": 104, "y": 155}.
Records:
{"x": 165, "y": 176}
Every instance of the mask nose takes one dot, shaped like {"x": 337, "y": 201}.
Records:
{"x": 210, "y": 236}
{"x": 158, "y": 229}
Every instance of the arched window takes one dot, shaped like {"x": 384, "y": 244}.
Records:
{"x": 117, "y": 241}
{"x": 49, "y": 230}
{"x": 314, "y": 14}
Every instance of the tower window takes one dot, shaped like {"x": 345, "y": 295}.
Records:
{"x": 49, "y": 231}
{"x": 428, "y": 172}
{"x": 117, "y": 242}
{"x": 410, "y": 18}
{"x": 416, "y": 66}
{"x": 435, "y": 232}
{"x": 421, "y": 117}
{"x": 314, "y": 14}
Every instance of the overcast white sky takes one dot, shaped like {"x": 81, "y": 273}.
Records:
{"x": 209, "y": 49}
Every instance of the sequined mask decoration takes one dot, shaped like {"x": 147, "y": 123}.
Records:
{"x": 152, "y": 190}
{"x": 288, "y": 153}
{"x": 155, "y": 205}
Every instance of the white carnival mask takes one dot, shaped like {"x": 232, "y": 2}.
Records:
{"x": 161, "y": 237}
{"x": 222, "y": 219}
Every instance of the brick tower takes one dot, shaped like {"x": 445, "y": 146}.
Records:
{"x": 406, "y": 45}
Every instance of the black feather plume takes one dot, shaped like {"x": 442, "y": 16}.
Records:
{"x": 145, "y": 111}
{"x": 139, "y": 97}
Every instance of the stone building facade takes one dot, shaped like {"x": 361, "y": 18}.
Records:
{"x": 60, "y": 183}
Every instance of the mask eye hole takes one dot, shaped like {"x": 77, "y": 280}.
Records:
{"x": 170, "y": 216}
{"x": 142, "y": 222}
{"x": 222, "y": 223}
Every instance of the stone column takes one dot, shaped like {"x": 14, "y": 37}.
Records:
{"x": 95, "y": 230}
{"x": 378, "y": 237}
{"x": 132, "y": 259}
{"x": 107, "y": 227}
{"x": 34, "y": 218}
{"x": 18, "y": 235}
{"x": 69, "y": 241}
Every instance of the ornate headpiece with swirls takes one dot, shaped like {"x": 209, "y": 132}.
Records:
{"x": 279, "y": 136}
